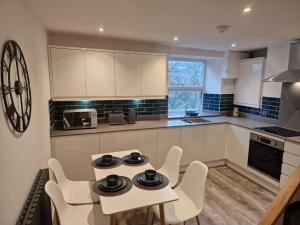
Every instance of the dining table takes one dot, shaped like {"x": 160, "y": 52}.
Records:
{"x": 136, "y": 197}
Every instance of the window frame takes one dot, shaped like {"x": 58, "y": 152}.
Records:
{"x": 188, "y": 88}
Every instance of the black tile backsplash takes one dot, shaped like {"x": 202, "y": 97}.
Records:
{"x": 269, "y": 109}
{"x": 144, "y": 107}
{"x": 218, "y": 102}
{"x": 51, "y": 113}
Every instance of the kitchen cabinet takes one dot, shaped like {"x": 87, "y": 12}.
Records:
{"x": 215, "y": 140}
{"x": 238, "y": 145}
{"x": 154, "y": 73}
{"x": 118, "y": 141}
{"x": 100, "y": 74}
{"x": 147, "y": 144}
{"x": 128, "y": 74}
{"x": 192, "y": 141}
{"x": 248, "y": 85}
{"x": 74, "y": 153}
{"x": 166, "y": 138}
{"x": 291, "y": 159}
{"x": 232, "y": 64}
{"x": 68, "y": 72}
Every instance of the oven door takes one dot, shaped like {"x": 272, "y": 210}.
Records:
{"x": 265, "y": 159}
{"x": 77, "y": 120}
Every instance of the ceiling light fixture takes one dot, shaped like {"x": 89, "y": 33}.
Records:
{"x": 101, "y": 29}
{"x": 233, "y": 45}
{"x": 247, "y": 9}
{"x": 175, "y": 38}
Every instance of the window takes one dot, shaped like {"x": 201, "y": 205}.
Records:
{"x": 186, "y": 82}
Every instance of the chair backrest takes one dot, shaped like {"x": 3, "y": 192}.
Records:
{"x": 194, "y": 182}
{"x": 172, "y": 164}
{"x": 58, "y": 171}
{"x": 54, "y": 192}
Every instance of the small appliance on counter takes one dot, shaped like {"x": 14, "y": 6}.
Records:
{"x": 80, "y": 119}
{"x": 131, "y": 116}
{"x": 116, "y": 118}
{"x": 236, "y": 112}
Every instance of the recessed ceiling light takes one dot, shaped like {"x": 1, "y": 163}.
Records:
{"x": 233, "y": 45}
{"x": 247, "y": 9}
{"x": 175, "y": 38}
{"x": 101, "y": 29}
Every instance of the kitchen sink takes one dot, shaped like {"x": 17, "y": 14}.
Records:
{"x": 195, "y": 120}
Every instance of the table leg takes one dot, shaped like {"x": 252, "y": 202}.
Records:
{"x": 113, "y": 220}
{"x": 162, "y": 214}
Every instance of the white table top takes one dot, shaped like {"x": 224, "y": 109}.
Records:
{"x": 136, "y": 197}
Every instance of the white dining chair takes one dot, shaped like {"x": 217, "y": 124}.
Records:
{"x": 190, "y": 192}
{"x": 171, "y": 166}
{"x": 74, "y": 192}
{"x": 74, "y": 214}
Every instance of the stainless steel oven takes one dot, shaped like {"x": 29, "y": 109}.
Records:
{"x": 265, "y": 155}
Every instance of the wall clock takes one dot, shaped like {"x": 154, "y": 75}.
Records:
{"x": 15, "y": 86}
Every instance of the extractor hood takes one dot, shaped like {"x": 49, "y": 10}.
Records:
{"x": 292, "y": 74}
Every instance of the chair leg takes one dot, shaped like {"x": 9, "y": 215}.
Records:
{"x": 153, "y": 218}
{"x": 147, "y": 214}
{"x": 183, "y": 222}
{"x": 198, "y": 222}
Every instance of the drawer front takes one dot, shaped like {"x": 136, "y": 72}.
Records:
{"x": 283, "y": 180}
{"x": 292, "y": 148}
{"x": 291, "y": 159}
{"x": 287, "y": 169}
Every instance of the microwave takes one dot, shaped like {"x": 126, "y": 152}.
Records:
{"x": 79, "y": 119}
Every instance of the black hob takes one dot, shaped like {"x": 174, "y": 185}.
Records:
{"x": 280, "y": 131}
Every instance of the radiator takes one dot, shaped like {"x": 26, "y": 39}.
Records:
{"x": 37, "y": 207}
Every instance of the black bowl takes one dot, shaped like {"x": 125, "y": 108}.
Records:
{"x": 107, "y": 158}
{"x": 135, "y": 155}
{"x": 112, "y": 180}
{"x": 150, "y": 174}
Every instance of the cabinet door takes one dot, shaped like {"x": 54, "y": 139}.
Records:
{"x": 128, "y": 72}
{"x": 215, "y": 142}
{"x": 100, "y": 74}
{"x": 166, "y": 138}
{"x": 118, "y": 141}
{"x": 192, "y": 141}
{"x": 232, "y": 64}
{"x": 147, "y": 144}
{"x": 238, "y": 145}
{"x": 68, "y": 72}
{"x": 74, "y": 153}
{"x": 248, "y": 87}
{"x": 154, "y": 75}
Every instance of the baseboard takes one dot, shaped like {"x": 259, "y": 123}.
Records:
{"x": 210, "y": 164}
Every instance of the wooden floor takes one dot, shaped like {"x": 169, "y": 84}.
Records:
{"x": 231, "y": 199}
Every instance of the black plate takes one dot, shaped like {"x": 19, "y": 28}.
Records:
{"x": 156, "y": 181}
{"x": 100, "y": 163}
{"x": 105, "y": 187}
{"x": 129, "y": 160}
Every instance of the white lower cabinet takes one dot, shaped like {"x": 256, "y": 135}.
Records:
{"x": 74, "y": 153}
{"x": 238, "y": 145}
{"x": 147, "y": 144}
{"x": 118, "y": 141}
{"x": 215, "y": 140}
{"x": 192, "y": 141}
{"x": 166, "y": 138}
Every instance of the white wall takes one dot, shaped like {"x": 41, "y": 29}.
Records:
{"x": 22, "y": 157}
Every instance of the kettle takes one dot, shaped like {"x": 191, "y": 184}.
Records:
{"x": 131, "y": 116}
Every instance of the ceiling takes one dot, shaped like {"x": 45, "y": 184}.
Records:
{"x": 193, "y": 21}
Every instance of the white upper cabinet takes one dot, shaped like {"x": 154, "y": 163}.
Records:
{"x": 248, "y": 85}
{"x": 128, "y": 74}
{"x": 68, "y": 72}
{"x": 154, "y": 73}
{"x": 232, "y": 64}
{"x": 100, "y": 74}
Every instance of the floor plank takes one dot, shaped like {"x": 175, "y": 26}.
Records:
{"x": 231, "y": 199}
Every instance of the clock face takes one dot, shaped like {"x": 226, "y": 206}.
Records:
{"x": 15, "y": 86}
